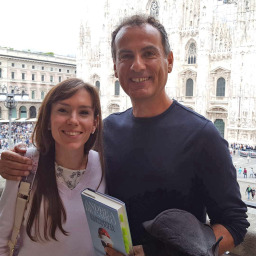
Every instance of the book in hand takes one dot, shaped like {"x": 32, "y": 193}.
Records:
{"x": 108, "y": 222}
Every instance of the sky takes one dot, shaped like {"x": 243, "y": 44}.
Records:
{"x": 49, "y": 25}
{"x": 42, "y": 26}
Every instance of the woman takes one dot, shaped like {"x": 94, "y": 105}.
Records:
{"x": 69, "y": 125}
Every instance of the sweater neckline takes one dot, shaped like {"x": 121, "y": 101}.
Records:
{"x": 68, "y": 176}
{"x": 150, "y": 119}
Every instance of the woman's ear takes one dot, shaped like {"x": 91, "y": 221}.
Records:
{"x": 95, "y": 124}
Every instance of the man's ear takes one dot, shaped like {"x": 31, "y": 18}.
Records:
{"x": 170, "y": 62}
{"x": 115, "y": 70}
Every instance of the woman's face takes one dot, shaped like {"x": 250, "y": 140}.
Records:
{"x": 72, "y": 121}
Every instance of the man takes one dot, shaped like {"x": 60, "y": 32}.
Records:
{"x": 248, "y": 191}
{"x": 251, "y": 173}
{"x": 245, "y": 173}
{"x": 160, "y": 155}
{"x": 239, "y": 171}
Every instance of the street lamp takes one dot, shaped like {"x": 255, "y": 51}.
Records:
{"x": 10, "y": 103}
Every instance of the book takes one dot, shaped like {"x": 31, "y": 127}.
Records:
{"x": 108, "y": 222}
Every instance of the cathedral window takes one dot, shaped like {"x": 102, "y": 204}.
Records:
{"x": 189, "y": 87}
{"x": 247, "y": 8}
{"x": 204, "y": 11}
{"x": 97, "y": 84}
{"x": 220, "y": 125}
{"x": 117, "y": 88}
{"x": 154, "y": 9}
{"x": 192, "y": 54}
{"x": 114, "y": 108}
{"x": 221, "y": 87}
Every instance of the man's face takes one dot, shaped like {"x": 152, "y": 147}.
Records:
{"x": 141, "y": 64}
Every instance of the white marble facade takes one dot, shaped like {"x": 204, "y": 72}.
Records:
{"x": 214, "y": 46}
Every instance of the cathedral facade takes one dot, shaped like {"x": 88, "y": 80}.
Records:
{"x": 214, "y": 47}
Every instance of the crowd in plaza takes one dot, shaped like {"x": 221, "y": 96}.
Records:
{"x": 238, "y": 146}
{"x": 20, "y": 132}
{"x": 245, "y": 173}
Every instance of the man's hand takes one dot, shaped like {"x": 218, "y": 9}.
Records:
{"x": 137, "y": 250}
{"x": 112, "y": 252}
{"x": 13, "y": 164}
{"x": 228, "y": 242}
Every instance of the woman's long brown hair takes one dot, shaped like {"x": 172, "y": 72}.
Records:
{"x": 46, "y": 190}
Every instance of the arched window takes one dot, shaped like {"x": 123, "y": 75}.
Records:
{"x": 192, "y": 54}
{"x": 220, "y": 91}
{"x": 189, "y": 87}
{"x": 42, "y": 95}
{"x": 97, "y": 84}
{"x": 32, "y": 112}
{"x": 117, "y": 88}
{"x": 23, "y": 112}
{"x": 220, "y": 125}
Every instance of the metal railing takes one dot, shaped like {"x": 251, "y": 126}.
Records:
{"x": 250, "y": 204}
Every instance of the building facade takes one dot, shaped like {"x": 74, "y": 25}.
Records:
{"x": 214, "y": 47}
{"x": 28, "y": 76}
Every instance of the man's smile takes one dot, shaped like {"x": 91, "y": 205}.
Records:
{"x": 140, "y": 79}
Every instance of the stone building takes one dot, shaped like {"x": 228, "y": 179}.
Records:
{"x": 214, "y": 46}
{"x": 29, "y": 76}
